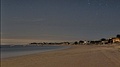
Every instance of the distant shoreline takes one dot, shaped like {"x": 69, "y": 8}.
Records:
{"x": 12, "y": 51}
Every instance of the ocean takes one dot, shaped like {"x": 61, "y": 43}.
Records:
{"x": 7, "y": 51}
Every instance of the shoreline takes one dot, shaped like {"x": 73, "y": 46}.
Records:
{"x": 75, "y": 56}
{"x": 29, "y": 51}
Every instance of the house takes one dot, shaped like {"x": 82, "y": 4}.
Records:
{"x": 116, "y": 40}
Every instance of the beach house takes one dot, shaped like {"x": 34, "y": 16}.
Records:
{"x": 116, "y": 40}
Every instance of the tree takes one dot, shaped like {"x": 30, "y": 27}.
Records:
{"x": 118, "y": 36}
{"x": 75, "y": 42}
{"x": 103, "y": 39}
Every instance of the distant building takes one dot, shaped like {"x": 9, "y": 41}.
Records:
{"x": 116, "y": 40}
{"x": 65, "y": 43}
{"x": 81, "y": 42}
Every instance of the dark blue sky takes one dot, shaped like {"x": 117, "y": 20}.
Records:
{"x": 24, "y": 21}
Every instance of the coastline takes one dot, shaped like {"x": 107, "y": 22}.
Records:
{"x": 8, "y": 52}
{"x": 75, "y": 56}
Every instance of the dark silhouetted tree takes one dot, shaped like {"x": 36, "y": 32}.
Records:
{"x": 103, "y": 39}
{"x": 118, "y": 36}
{"x": 75, "y": 42}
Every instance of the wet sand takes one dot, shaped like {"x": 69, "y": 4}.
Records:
{"x": 76, "y": 56}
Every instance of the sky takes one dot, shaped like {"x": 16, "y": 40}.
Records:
{"x": 25, "y": 21}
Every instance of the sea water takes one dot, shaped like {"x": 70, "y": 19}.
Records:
{"x": 25, "y": 50}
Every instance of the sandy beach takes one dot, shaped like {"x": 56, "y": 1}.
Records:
{"x": 76, "y": 56}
